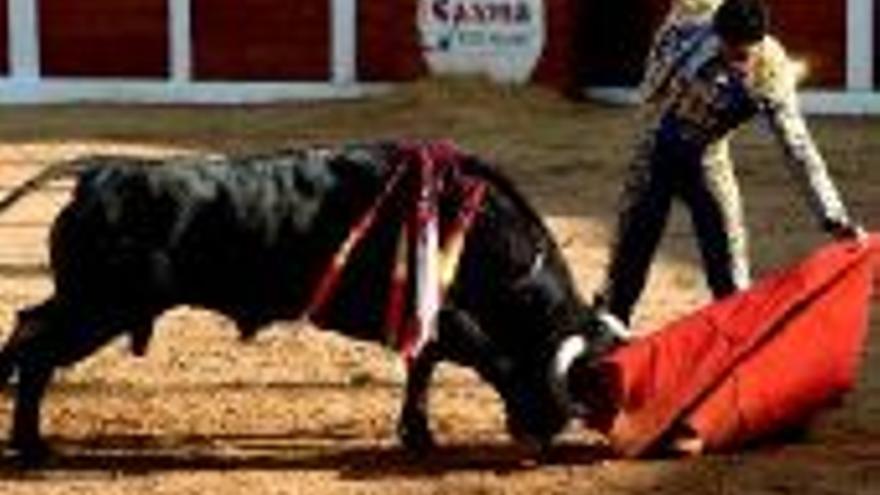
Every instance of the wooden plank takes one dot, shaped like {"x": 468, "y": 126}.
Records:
{"x": 261, "y": 40}
{"x": 388, "y": 41}
{"x": 104, "y": 38}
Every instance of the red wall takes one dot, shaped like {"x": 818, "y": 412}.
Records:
{"x": 98, "y": 38}
{"x": 388, "y": 41}
{"x": 261, "y": 39}
{"x": 561, "y": 60}
{"x": 4, "y": 37}
{"x": 618, "y": 33}
{"x": 876, "y": 45}
{"x": 816, "y": 31}
{"x": 589, "y": 42}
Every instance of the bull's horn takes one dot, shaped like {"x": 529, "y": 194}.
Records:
{"x": 614, "y": 326}
{"x": 570, "y": 349}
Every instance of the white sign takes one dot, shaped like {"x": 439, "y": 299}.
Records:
{"x": 501, "y": 38}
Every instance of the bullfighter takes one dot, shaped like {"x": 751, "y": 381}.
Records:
{"x": 712, "y": 67}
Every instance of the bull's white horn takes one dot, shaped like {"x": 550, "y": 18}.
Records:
{"x": 614, "y": 325}
{"x": 569, "y": 350}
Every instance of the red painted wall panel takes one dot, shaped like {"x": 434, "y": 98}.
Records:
{"x": 388, "y": 41}
{"x": 101, "y": 38}
{"x": 561, "y": 60}
{"x": 591, "y": 41}
{"x": 261, "y": 39}
{"x": 617, "y": 36}
{"x": 4, "y": 37}
{"x": 815, "y": 31}
{"x": 876, "y": 45}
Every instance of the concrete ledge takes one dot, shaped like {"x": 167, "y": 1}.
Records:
{"x": 817, "y": 102}
{"x": 57, "y": 90}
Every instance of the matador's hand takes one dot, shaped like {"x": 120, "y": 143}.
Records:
{"x": 846, "y": 231}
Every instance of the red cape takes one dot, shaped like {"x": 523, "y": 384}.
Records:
{"x": 749, "y": 365}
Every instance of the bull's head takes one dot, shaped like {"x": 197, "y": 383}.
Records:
{"x": 553, "y": 384}
{"x": 515, "y": 281}
{"x": 577, "y": 378}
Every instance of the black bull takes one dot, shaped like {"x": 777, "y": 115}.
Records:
{"x": 248, "y": 237}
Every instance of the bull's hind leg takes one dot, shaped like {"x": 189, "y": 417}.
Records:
{"x": 19, "y": 355}
{"x": 45, "y": 337}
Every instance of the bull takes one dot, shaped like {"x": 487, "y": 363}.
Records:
{"x": 247, "y": 236}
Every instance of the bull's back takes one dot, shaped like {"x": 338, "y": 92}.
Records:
{"x": 246, "y": 236}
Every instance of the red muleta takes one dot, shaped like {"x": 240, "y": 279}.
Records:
{"x": 746, "y": 367}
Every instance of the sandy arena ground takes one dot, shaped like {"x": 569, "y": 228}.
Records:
{"x": 303, "y": 411}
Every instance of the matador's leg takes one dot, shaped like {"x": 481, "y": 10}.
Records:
{"x": 716, "y": 209}
{"x": 642, "y": 216}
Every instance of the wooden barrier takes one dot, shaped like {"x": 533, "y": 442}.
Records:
{"x": 103, "y": 38}
{"x": 261, "y": 40}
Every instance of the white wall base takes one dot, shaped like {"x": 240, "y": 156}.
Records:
{"x": 25, "y": 84}
{"x": 841, "y": 102}
{"x": 63, "y": 90}
{"x": 817, "y": 102}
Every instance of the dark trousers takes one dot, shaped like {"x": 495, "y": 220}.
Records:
{"x": 703, "y": 179}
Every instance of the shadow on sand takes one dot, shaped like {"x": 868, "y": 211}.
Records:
{"x": 352, "y": 457}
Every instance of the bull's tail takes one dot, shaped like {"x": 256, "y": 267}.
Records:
{"x": 48, "y": 174}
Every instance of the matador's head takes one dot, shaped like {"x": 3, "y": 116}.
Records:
{"x": 741, "y": 25}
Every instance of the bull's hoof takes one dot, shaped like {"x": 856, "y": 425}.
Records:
{"x": 31, "y": 453}
{"x": 416, "y": 437}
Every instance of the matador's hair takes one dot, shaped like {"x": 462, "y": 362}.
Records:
{"x": 742, "y": 21}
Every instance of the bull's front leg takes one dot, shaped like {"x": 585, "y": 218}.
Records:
{"x": 459, "y": 339}
{"x": 45, "y": 337}
{"x": 26, "y": 438}
{"x": 412, "y": 428}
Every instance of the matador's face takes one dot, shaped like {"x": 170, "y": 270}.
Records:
{"x": 740, "y": 56}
